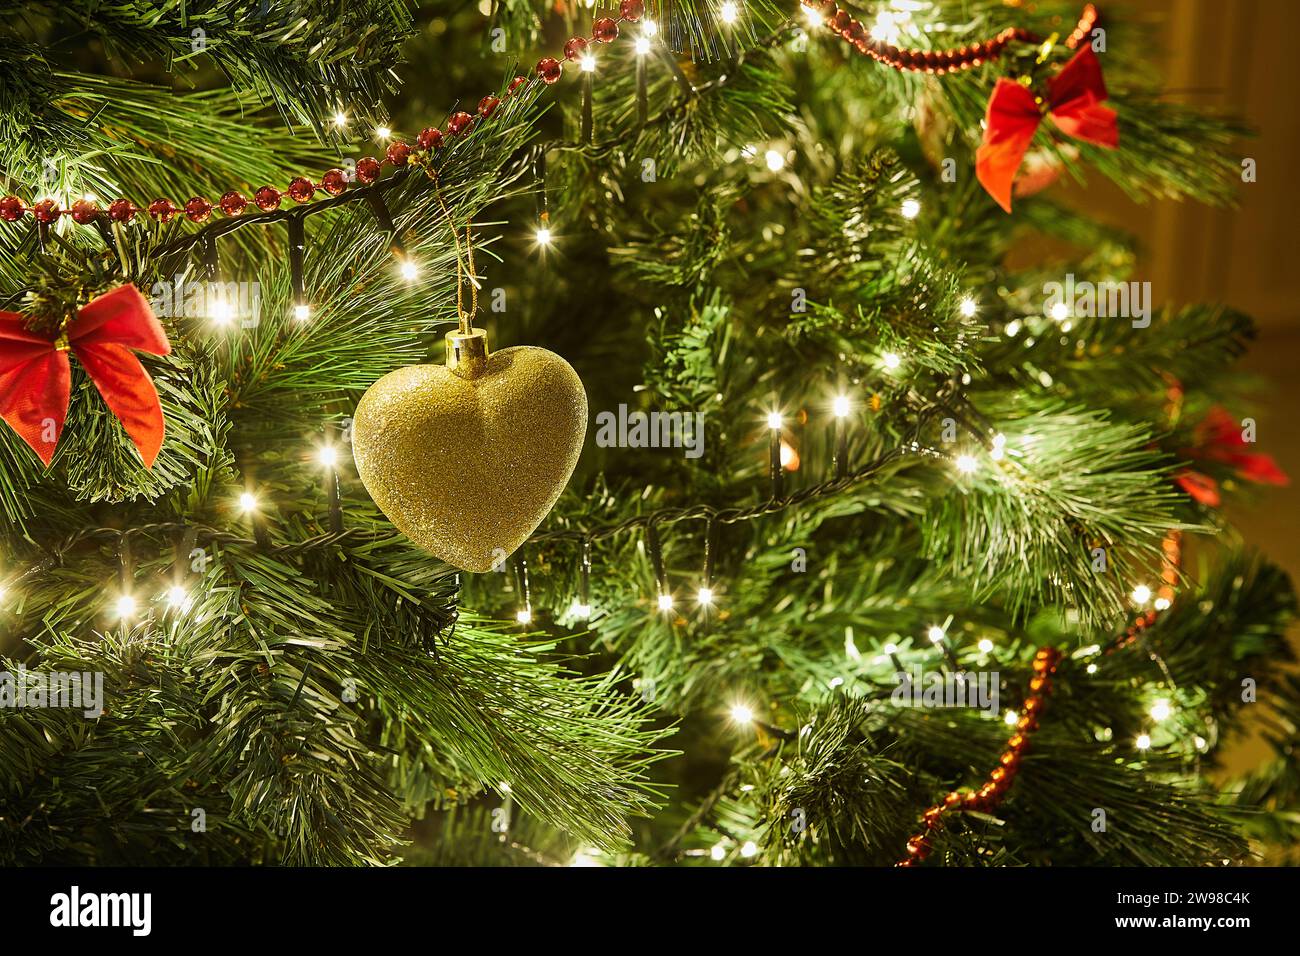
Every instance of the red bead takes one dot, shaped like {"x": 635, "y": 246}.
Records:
{"x": 233, "y": 203}
{"x": 12, "y": 208}
{"x": 457, "y": 123}
{"x": 334, "y": 182}
{"x": 430, "y": 138}
{"x": 1033, "y": 705}
{"x": 47, "y": 210}
{"x": 397, "y": 154}
{"x": 856, "y": 32}
{"x": 368, "y": 169}
{"x": 517, "y": 82}
{"x": 550, "y": 70}
{"x": 953, "y": 799}
{"x": 1027, "y": 724}
{"x": 267, "y": 198}
{"x": 301, "y": 189}
{"x": 162, "y": 210}
{"x": 487, "y": 106}
{"x": 631, "y": 10}
{"x": 84, "y": 212}
{"x": 604, "y": 30}
{"x": 840, "y": 22}
{"x": 827, "y": 9}
{"x": 575, "y": 47}
{"x": 932, "y": 817}
{"x": 198, "y": 209}
{"x": 122, "y": 210}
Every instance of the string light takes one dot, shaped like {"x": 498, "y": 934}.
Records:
{"x": 1091, "y": 668}
{"x": 178, "y": 598}
{"x": 705, "y": 596}
{"x": 967, "y": 464}
{"x": 935, "y": 633}
{"x": 588, "y": 63}
{"x": 774, "y": 420}
{"x": 580, "y": 610}
{"x": 750, "y": 849}
{"x": 719, "y": 852}
{"x": 302, "y": 312}
{"x": 1011, "y": 718}
{"x": 1161, "y": 710}
{"x": 1162, "y": 604}
{"x": 986, "y": 646}
{"x": 543, "y": 236}
{"x": 383, "y": 132}
{"x": 729, "y": 12}
{"x": 813, "y": 17}
{"x": 911, "y": 208}
{"x": 742, "y": 714}
{"x": 221, "y": 312}
{"x": 968, "y": 307}
{"x": 890, "y": 648}
{"x": 999, "y": 449}
{"x": 340, "y": 118}
{"x": 642, "y": 46}
{"x": 649, "y": 27}
{"x": 665, "y": 602}
{"x": 891, "y": 360}
{"x": 840, "y": 407}
{"x": 1060, "y": 312}
{"x": 1141, "y": 594}
{"x": 524, "y": 616}
{"x": 1144, "y": 742}
{"x": 247, "y": 502}
{"x": 125, "y": 606}
{"x": 410, "y": 271}
{"x": 328, "y": 456}
{"x": 775, "y": 160}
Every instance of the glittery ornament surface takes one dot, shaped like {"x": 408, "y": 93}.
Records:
{"x": 467, "y": 468}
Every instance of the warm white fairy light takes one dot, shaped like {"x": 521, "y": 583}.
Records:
{"x": 968, "y": 307}
{"x": 967, "y": 464}
{"x": 986, "y": 646}
{"x": 340, "y": 118}
{"x": 1091, "y": 668}
{"x": 125, "y": 606}
{"x": 1013, "y": 328}
{"x": 890, "y": 648}
{"x": 587, "y": 63}
{"x": 649, "y": 27}
{"x": 543, "y": 236}
{"x": 812, "y": 16}
{"x": 749, "y": 849}
{"x": 247, "y": 502}
{"x": 788, "y": 455}
{"x": 665, "y": 602}
{"x": 1059, "y": 312}
{"x": 178, "y": 599}
{"x": 742, "y": 714}
{"x": 328, "y": 456}
{"x": 891, "y": 360}
{"x": 221, "y": 312}
{"x": 1162, "y": 604}
{"x": 935, "y": 634}
{"x": 1141, "y": 594}
{"x": 642, "y": 46}
{"x": 585, "y": 858}
{"x": 705, "y": 596}
{"x": 774, "y": 420}
{"x": 911, "y": 208}
{"x": 581, "y": 611}
{"x": 999, "y": 449}
{"x": 410, "y": 271}
{"x": 1160, "y": 710}
{"x": 885, "y": 29}
{"x": 775, "y": 160}
{"x": 302, "y": 312}
{"x": 1010, "y": 718}
{"x": 524, "y": 616}
{"x": 729, "y": 12}
{"x": 383, "y": 132}
{"x": 719, "y": 852}
{"x": 841, "y": 407}
{"x": 1143, "y": 742}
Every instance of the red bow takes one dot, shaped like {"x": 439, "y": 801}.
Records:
{"x": 1219, "y": 441}
{"x": 36, "y": 377}
{"x": 1073, "y": 101}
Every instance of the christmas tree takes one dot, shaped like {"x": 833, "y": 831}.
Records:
{"x": 682, "y": 433}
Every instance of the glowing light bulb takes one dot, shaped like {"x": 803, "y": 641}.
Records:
{"x": 222, "y": 313}
{"x": 642, "y": 46}
{"x": 543, "y": 236}
{"x": 775, "y": 160}
{"x": 885, "y": 29}
{"x": 410, "y": 271}
{"x": 383, "y": 132}
{"x": 774, "y": 420}
{"x": 719, "y": 852}
{"x": 789, "y": 457}
{"x": 1010, "y": 718}
{"x": 840, "y": 407}
{"x": 999, "y": 449}
{"x": 986, "y": 646}
{"x": 585, "y": 858}
{"x": 328, "y": 455}
{"x": 890, "y": 648}
{"x": 302, "y": 312}
{"x": 1162, "y": 604}
{"x": 968, "y": 307}
{"x": 177, "y": 597}
{"x": 1144, "y": 742}
{"x": 1161, "y": 710}
{"x": 813, "y": 17}
{"x": 524, "y": 616}
{"x": 649, "y": 27}
{"x": 742, "y": 714}
{"x": 1013, "y": 328}
{"x": 911, "y": 209}
{"x": 729, "y": 12}
{"x": 935, "y": 634}
{"x": 750, "y": 849}
{"x": 1141, "y": 594}
{"x": 1060, "y": 312}
{"x": 340, "y": 118}
{"x": 126, "y": 606}
{"x": 588, "y": 63}
{"x": 891, "y": 360}
{"x": 967, "y": 464}
{"x": 665, "y": 602}
{"x": 581, "y": 610}
{"x": 247, "y": 502}
{"x": 1091, "y": 668}
{"x": 705, "y": 596}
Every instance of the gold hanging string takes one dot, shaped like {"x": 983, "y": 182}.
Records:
{"x": 464, "y": 261}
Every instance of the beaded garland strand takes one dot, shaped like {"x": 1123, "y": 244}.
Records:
{"x": 549, "y": 70}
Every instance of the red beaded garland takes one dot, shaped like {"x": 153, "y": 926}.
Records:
{"x": 397, "y": 154}
{"x": 198, "y": 209}
{"x": 550, "y": 70}
{"x": 233, "y": 203}
{"x": 162, "y": 210}
{"x": 631, "y": 10}
{"x": 458, "y": 123}
{"x": 122, "y": 210}
{"x": 12, "y": 208}
{"x": 517, "y": 82}
{"x": 368, "y": 169}
{"x": 604, "y": 30}
{"x": 46, "y": 211}
{"x": 301, "y": 189}
{"x": 334, "y": 182}
{"x": 267, "y": 198}
{"x": 84, "y": 212}
{"x": 487, "y": 106}
{"x": 430, "y": 138}
{"x": 574, "y": 47}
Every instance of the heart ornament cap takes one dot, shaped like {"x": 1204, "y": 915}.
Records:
{"x": 467, "y": 458}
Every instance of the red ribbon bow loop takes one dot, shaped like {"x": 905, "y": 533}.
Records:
{"x": 36, "y": 376}
{"x": 1074, "y": 103}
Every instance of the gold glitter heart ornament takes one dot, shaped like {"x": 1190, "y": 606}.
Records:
{"x": 467, "y": 458}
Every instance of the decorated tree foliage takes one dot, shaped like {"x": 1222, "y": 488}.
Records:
{"x": 678, "y": 433}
